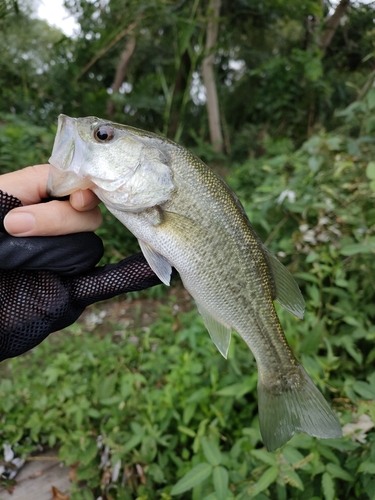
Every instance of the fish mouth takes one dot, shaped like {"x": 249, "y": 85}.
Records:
{"x": 64, "y": 176}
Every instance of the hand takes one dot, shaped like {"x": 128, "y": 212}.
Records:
{"x": 79, "y": 214}
{"x": 46, "y": 282}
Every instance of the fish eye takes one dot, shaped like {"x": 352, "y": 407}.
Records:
{"x": 104, "y": 133}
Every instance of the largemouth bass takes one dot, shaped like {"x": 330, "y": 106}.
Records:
{"x": 185, "y": 216}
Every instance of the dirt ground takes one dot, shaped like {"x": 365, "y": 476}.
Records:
{"x": 42, "y": 477}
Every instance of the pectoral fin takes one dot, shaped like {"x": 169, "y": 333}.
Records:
{"x": 288, "y": 294}
{"x": 157, "y": 262}
{"x": 219, "y": 333}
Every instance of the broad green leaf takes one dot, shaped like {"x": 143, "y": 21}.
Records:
{"x": 370, "y": 170}
{"x": 186, "y": 430}
{"x": 313, "y": 69}
{"x": 106, "y": 387}
{"x": 337, "y": 471}
{"x": 266, "y": 479}
{"x": 202, "y": 393}
{"x": 370, "y": 97}
{"x": 148, "y": 449}
{"x": 357, "y": 248}
{"x": 328, "y": 486}
{"x": 230, "y": 390}
{"x": 264, "y": 456}
{"x": 156, "y": 472}
{"x": 90, "y": 452}
{"x": 292, "y": 455}
{"x": 195, "y": 476}
{"x": 88, "y": 472}
{"x": 189, "y": 411}
{"x": 132, "y": 443}
{"x": 291, "y": 477}
{"x": 367, "y": 467}
{"x": 248, "y": 384}
{"x": 364, "y": 389}
{"x": 307, "y": 277}
{"x": 221, "y": 482}
{"x": 211, "y": 451}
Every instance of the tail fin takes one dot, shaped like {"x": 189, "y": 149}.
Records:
{"x": 298, "y": 409}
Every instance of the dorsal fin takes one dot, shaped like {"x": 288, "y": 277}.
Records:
{"x": 288, "y": 294}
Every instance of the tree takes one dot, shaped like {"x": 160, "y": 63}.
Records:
{"x": 331, "y": 25}
{"x": 208, "y": 75}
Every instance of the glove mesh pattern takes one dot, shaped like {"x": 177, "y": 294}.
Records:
{"x": 7, "y": 202}
{"x": 34, "y": 304}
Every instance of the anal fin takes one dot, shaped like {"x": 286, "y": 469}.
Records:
{"x": 219, "y": 332}
{"x": 288, "y": 294}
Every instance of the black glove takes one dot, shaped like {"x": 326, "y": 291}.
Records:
{"x": 47, "y": 282}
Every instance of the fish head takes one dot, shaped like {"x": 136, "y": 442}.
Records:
{"x": 128, "y": 169}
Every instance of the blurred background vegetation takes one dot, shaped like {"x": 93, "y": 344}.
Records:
{"x": 277, "y": 96}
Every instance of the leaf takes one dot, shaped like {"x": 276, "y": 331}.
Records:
{"x": 221, "y": 482}
{"x": 132, "y": 443}
{"x": 292, "y": 455}
{"x": 186, "y": 430}
{"x": 264, "y": 456}
{"x": 58, "y": 495}
{"x": 211, "y": 452}
{"x": 148, "y": 449}
{"x": 266, "y": 479}
{"x": 370, "y": 170}
{"x": 106, "y": 387}
{"x": 367, "y": 467}
{"x": 313, "y": 69}
{"x": 364, "y": 389}
{"x": 328, "y": 486}
{"x": 371, "y": 98}
{"x": 202, "y": 393}
{"x": 195, "y": 476}
{"x": 356, "y": 248}
{"x": 291, "y": 477}
{"x": 91, "y": 451}
{"x": 337, "y": 471}
{"x": 230, "y": 390}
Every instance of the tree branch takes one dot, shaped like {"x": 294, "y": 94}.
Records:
{"x": 121, "y": 72}
{"x": 332, "y": 24}
{"x": 127, "y": 31}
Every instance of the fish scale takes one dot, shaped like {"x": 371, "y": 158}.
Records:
{"x": 186, "y": 217}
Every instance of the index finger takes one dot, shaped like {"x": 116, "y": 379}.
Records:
{"x": 28, "y": 185}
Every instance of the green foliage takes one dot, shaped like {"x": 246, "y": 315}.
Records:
{"x": 22, "y": 143}
{"x": 156, "y": 412}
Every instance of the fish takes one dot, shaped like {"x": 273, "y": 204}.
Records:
{"x": 186, "y": 217}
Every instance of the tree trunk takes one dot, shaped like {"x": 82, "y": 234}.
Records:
{"x": 212, "y": 102}
{"x": 182, "y": 80}
{"x": 121, "y": 72}
{"x": 332, "y": 24}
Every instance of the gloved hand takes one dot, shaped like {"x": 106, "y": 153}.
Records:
{"x": 46, "y": 282}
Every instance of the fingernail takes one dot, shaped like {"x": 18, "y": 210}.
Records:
{"x": 77, "y": 200}
{"x": 19, "y": 223}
